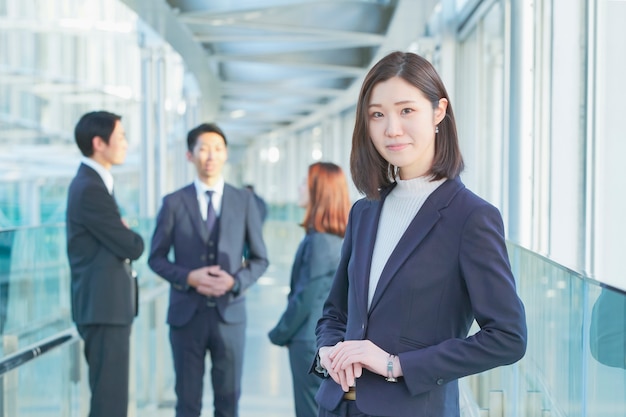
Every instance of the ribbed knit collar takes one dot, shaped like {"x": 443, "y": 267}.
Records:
{"x": 415, "y": 187}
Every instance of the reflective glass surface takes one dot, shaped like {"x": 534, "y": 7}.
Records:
{"x": 574, "y": 365}
{"x": 575, "y": 362}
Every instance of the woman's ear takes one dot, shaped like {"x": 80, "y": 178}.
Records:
{"x": 440, "y": 110}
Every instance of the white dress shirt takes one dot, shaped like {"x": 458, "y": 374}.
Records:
{"x": 203, "y": 199}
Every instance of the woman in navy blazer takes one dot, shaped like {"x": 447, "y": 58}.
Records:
{"x": 325, "y": 197}
{"x": 422, "y": 258}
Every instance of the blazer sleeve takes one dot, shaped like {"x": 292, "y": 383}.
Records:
{"x": 496, "y": 307}
{"x": 316, "y": 264}
{"x": 162, "y": 240}
{"x": 101, "y": 217}
{"x": 256, "y": 262}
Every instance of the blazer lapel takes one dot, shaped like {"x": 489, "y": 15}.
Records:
{"x": 229, "y": 214}
{"x": 91, "y": 175}
{"x": 418, "y": 229}
{"x": 366, "y": 233}
{"x": 190, "y": 200}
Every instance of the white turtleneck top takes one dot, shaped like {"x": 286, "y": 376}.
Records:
{"x": 399, "y": 209}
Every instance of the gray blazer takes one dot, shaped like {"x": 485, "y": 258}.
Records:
{"x": 312, "y": 274}
{"x": 99, "y": 248}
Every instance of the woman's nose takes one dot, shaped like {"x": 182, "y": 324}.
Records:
{"x": 394, "y": 127}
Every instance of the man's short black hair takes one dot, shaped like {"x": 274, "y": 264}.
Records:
{"x": 192, "y": 136}
{"x": 90, "y": 125}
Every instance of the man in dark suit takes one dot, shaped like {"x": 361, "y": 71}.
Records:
{"x": 100, "y": 247}
{"x": 208, "y": 224}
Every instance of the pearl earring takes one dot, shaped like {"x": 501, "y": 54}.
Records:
{"x": 436, "y": 129}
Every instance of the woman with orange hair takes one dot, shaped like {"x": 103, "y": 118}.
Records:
{"x": 325, "y": 197}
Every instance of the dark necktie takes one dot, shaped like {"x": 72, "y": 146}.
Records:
{"x": 210, "y": 212}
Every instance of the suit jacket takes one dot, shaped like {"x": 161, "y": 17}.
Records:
{"x": 100, "y": 249}
{"x": 449, "y": 267}
{"x": 180, "y": 226}
{"x": 312, "y": 274}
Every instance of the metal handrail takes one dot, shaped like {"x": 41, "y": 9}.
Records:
{"x": 67, "y": 336}
{"x": 35, "y": 350}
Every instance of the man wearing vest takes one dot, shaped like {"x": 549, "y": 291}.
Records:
{"x": 208, "y": 224}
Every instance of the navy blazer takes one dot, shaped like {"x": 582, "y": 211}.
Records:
{"x": 449, "y": 268}
{"x": 312, "y": 274}
{"x": 99, "y": 248}
{"x": 180, "y": 226}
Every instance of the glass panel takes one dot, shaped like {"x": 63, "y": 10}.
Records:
{"x": 58, "y": 60}
{"x": 606, "y": 356}
{"x": 34, "y": 277}
{"x": 480, "y": 105}
{"x": 35, "y": 305}
{"x": 42, "y": 387}
{"x": 575, "y": 362}
{"x": 55, "y": 384}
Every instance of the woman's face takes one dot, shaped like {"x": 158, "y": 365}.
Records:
{"x": 303, "y": 193}
{"x": 402, "y": 125}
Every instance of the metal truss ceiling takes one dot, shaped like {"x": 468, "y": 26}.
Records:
{"x": 280, "y": 61}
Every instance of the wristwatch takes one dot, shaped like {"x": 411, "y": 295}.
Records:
{"x": 236, "y": 287}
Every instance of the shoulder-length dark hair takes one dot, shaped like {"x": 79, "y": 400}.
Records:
{"x": 371, "y": 173}
{"x": 329, "y": 203}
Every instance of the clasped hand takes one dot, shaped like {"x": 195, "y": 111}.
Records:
{"x": 345, "y": 361}
{"x": 211, "y": 281}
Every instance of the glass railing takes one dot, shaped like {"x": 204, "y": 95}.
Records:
{"x": 35, "y": 314}
{"x": 51, "y": 377}
{"x": 574, "y": 365}
{"x": 575, "y": 362}
{"x": 33, "y": 275}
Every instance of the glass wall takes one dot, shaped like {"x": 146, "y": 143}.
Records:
{"x": 60, "y": 59}
{"x": 607, "y": 146}
{"x": 278, "y": 165}
{"x": 481, "y": 100}
{"x": 537, "y": 92}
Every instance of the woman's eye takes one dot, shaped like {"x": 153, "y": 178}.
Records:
{"x": 377, "y": 115}
{"x": 407, "y": 111}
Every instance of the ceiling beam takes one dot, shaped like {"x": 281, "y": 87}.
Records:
{"x": 271, "y": 60}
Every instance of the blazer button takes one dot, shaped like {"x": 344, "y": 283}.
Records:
{"x": 127, "y": 260}
{"x": 203, "y": 258}
{"x": 211, "y": 256}
{"x": 440, "y": 381}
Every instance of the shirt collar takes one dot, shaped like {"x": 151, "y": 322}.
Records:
{"x": 202, "y": 188}
{"x": 104, "y": 173}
